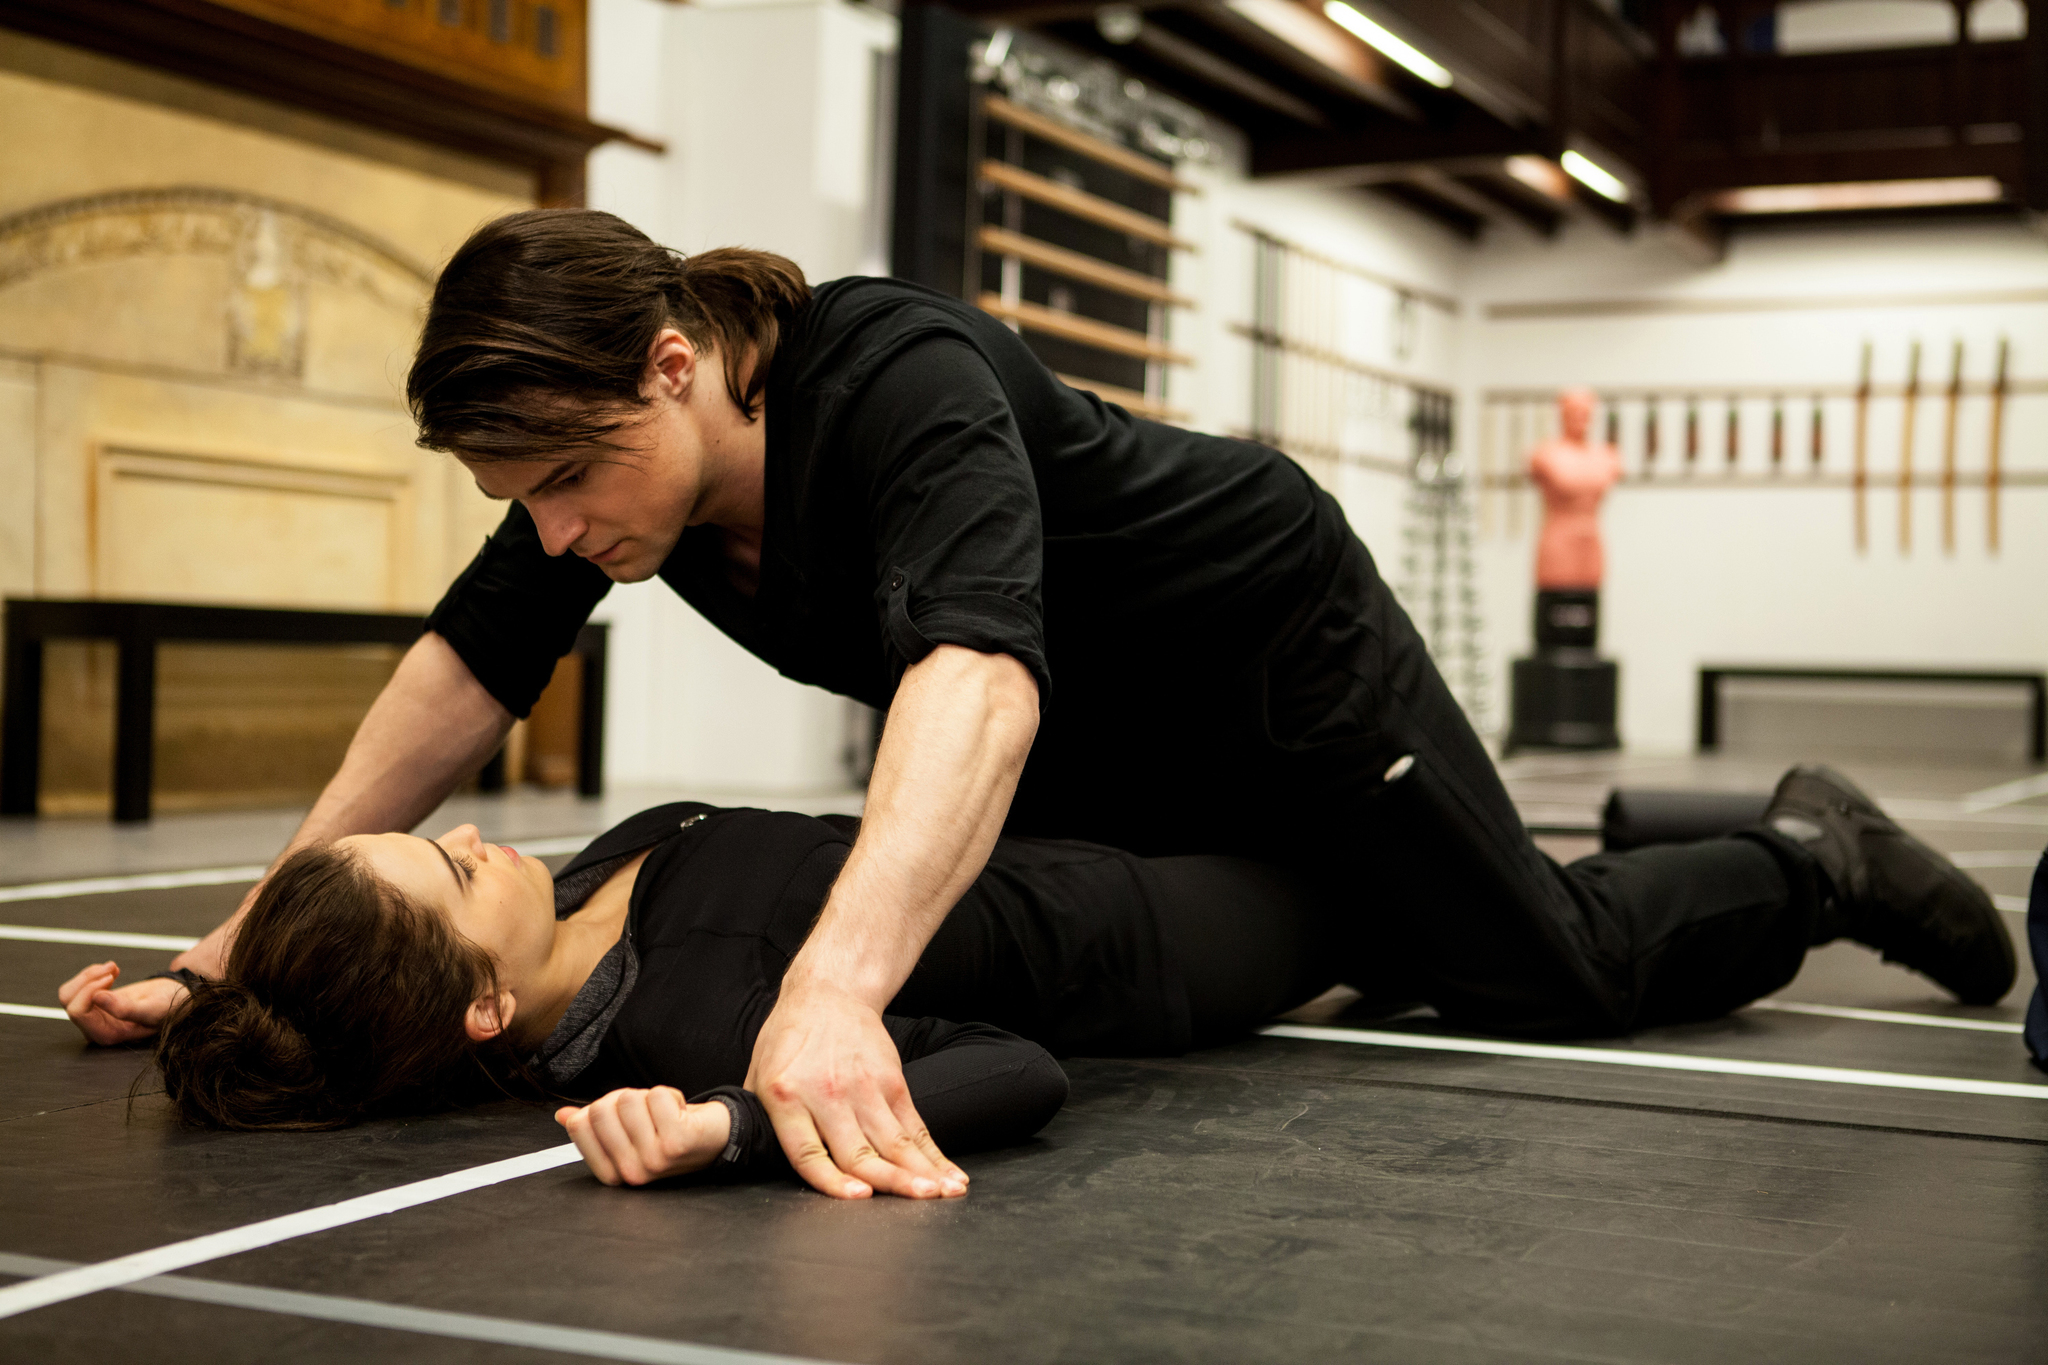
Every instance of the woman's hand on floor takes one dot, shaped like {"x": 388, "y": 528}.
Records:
{"x": 630, "y": 1137}
{"x": 128, "y": 1015}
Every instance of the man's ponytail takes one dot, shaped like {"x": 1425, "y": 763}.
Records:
{"x": 538, "y": 334}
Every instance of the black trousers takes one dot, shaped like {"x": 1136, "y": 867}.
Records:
{"x": 1370, "y": 780}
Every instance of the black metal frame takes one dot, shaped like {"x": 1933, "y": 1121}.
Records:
{"x": 137, "y": 628}
{"x": 1711, "y": 676}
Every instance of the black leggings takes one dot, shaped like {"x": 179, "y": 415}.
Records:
{"x": 1248, "y": 940}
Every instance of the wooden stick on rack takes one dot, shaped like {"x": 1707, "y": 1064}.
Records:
{"x": 1948, "y": 450}
{"x": 1777, "y": 433}
{"x": 1906, "y": 450}
{"x": 1650, "y": 436}
{"x": 1819, "y": 446}
{"x": 1859, "y": 477}
{"x": 1489, "y": 421}
{"x": 1993, "y": 472}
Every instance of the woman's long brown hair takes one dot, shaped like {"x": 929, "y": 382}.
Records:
{"x": 342, "y": 999}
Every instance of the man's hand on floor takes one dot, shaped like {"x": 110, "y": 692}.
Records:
{"x": 108, "y": 1016}
{"x": 828, "y": 1074}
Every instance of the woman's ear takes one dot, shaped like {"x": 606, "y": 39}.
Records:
{"x": 489, "y": 1016}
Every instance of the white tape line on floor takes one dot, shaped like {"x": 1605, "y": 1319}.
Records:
{"x": 225, "y": 876}
{"x": 1661, "y": 1061}
{"x": 1888, "y": 1016}
{"x": 541, "y": 1336}
{"x": 90, "y": 1279}
{"x": 98, "y": 938}
{"x": 34, "y": 1011}
{"x": 1993, "y": 858}
{"x": 134, "y": 881}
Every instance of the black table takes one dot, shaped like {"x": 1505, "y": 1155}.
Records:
{"x": 1711, "y": 675}
{"x": 138, "y": 627}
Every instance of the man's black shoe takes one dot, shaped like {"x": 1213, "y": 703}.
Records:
{"x": 1894, "y": 892}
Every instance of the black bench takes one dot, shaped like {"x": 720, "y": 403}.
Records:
{"x": 137, "y": 628}
{"x": 1712, "y": 674}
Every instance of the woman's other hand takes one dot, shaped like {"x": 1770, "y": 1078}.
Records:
{"x": 128, "y": 1015}
{"x": 633, "y": 1136}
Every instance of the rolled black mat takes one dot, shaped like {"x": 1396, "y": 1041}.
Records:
{"x": 1636, "y": 816}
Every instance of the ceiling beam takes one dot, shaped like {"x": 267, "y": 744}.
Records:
{"x": 1537, "y": 214}
{"x": 1298, "y": 38}
{"x": 1191, "y": 58}
{"x": 1701, "y": 173}
{"x": 1473, "y": 134}
{"x": 1443, "y": 212}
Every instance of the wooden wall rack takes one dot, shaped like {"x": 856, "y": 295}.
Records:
{"x": 1007, "y": 243}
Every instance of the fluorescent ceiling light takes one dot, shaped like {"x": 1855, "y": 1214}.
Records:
{"x": 1594, "y": 177}
{"x": 1399, "y": 52}
{"x": 1540, "y": 174}
{"x": 1865, "y": 194}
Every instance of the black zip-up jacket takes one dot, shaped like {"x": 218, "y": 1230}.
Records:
{"x": 1059, "y": 941}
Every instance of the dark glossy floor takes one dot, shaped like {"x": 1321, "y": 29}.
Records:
{"x": 1281, "y": 1199}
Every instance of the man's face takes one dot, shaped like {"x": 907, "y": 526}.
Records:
{"x": 624, "y": 511}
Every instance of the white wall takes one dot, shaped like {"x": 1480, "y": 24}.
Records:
{"x": 768, "y": 112}
{"x": 1707, "y": 574}
{"x": 1348, "y": 225}
{"x": 1767, "y": 574}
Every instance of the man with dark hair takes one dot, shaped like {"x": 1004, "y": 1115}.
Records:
{"x": 1081, "y": 625}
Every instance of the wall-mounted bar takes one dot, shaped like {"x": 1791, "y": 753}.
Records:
{"x": 1092, "y": 207}
{"x": 1096, "y": 149}
{"x": 1128, "y": 399}
{"x": 1034, "y": 317}
{"x": 1076, "y": 266}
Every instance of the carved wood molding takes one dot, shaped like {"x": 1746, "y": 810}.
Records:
{"x": 248, "y": 53}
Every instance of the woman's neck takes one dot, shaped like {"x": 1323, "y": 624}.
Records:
{"x": 581, "y": 941}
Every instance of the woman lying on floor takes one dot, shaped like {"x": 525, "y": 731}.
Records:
{"x": 371, "y": 970}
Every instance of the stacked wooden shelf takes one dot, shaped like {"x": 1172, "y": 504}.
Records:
{"x": 1016, "y": 249}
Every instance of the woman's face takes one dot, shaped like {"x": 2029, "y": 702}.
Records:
{"x": 500, "y": 901}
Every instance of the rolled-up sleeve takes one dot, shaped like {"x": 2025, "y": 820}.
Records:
{"x": 954, "y": 516}
{"x": 516, "y": 610}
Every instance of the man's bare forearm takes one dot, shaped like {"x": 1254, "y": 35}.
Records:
{"x": 959, "y": 730}
{"x": 431, "y": 727}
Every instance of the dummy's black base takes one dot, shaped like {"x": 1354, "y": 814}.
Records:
{"x": 1564, "y": 699}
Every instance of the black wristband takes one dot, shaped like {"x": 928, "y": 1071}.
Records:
{"x": 736, "y": 1143}
{"x": 184, "y": 975}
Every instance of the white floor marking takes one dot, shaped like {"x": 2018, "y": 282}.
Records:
{"x": 1889, "y": 1016}
{"x": 1934, "y": 811}
{"x": 104, "y": 938}
{"x": 2016, "y": 904}
{"x": 224, "y": 876}
{"x": 427, "y": 1321}
{"x": 34, "y": 1011}
{"x": 123, "y": 1270}
{"x": 2006, "y": 793}
{"x": 1995, "y": 858}
{"x": 134, "y": 881}
{"x": 1662, "y": 1061}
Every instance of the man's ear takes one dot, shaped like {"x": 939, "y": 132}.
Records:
{"x": 489, "y": 1016}
{"x": 672, "y": 364}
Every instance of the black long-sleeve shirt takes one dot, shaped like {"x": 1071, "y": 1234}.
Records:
{"x": 929, "y": 481}
{"x": 1059, "y": 941}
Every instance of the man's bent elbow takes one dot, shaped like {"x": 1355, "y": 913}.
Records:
{"x": 1013, "y": 703}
